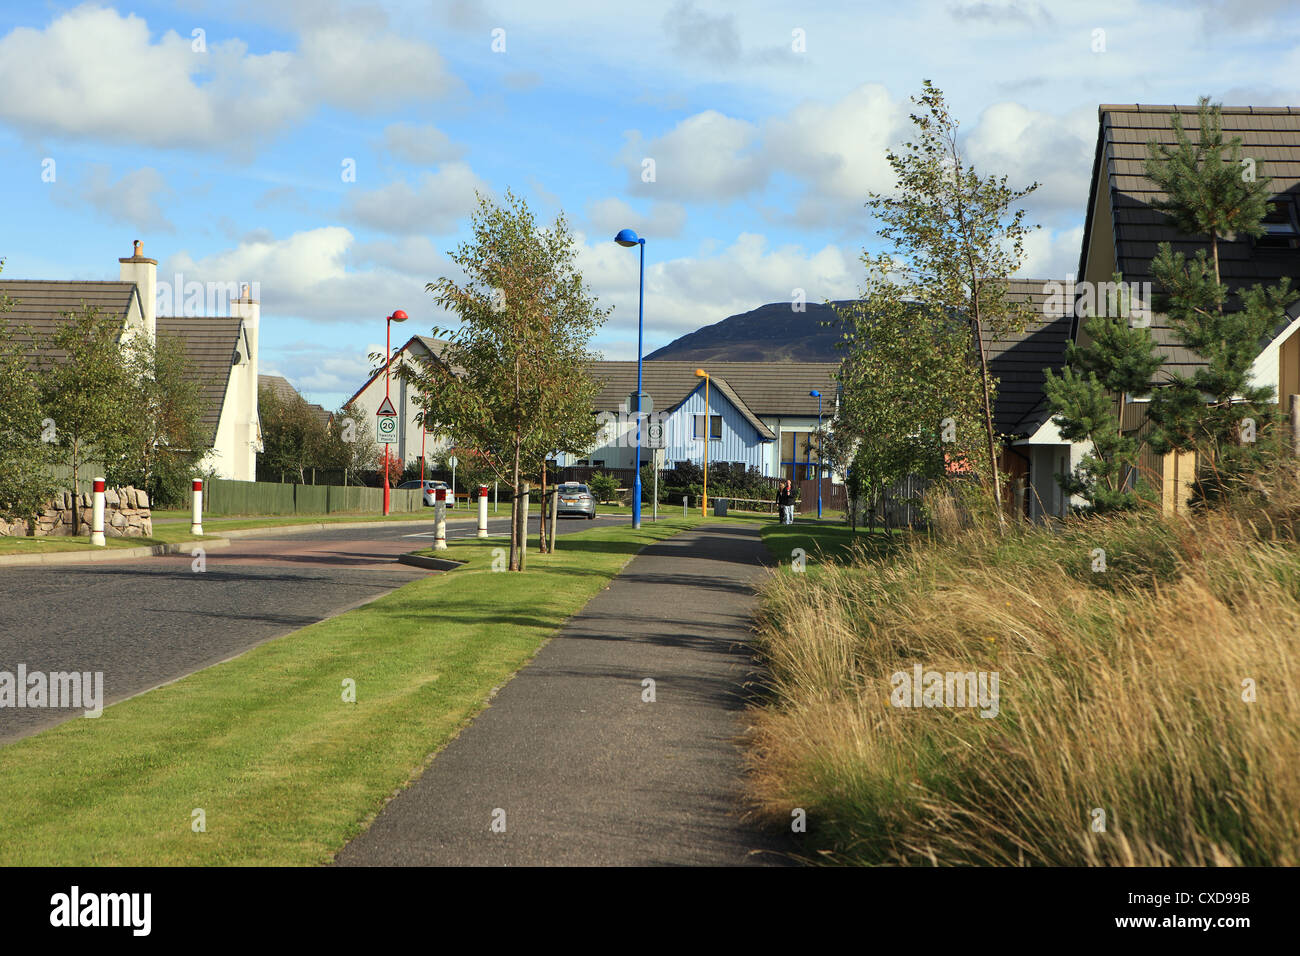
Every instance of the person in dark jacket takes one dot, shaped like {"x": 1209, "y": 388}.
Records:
{"x": 785, "y": 501}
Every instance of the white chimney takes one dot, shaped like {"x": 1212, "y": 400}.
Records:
{"x": 249, "y": 310}
{"x": 144, "y": 273}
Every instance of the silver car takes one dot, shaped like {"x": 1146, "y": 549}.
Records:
{"x": 576, "y": 499}
{"x": 430, "y": 487}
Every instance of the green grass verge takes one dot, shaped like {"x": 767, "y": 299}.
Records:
{"x": 285, "y": 771}
{"x": 163, "y": 534}
{"x": 825, "y": 541}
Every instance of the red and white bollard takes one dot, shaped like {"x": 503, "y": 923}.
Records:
{"x": 97, "y": 516}
{"x": 196, "y": 517}
{"x": 482, "y": 511}
{"x": 440, "y": 520}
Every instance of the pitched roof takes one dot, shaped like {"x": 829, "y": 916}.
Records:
{"x": 1269, "y": 135}
{"x": 763, "y": 388}
{"x": 430, "y": 347}
{"x": 285, "y": 391}
{"x": 1019, "y": 360}
{"x": 209, "y": 345}
{"x": 42, "y": 304}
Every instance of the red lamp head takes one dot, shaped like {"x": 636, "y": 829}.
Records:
{"x": 398, "y": 316}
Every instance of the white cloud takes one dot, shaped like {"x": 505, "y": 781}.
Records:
{"x": 97, "y": 74}
{"x": 664, "y": 220}
{"x": 707, "y": 156}
{"x": 1028, "y": 145}
{"x": 132, "y": 200}
{"x": 435, "y": 203}
{"x": 314, "y": 274}
{"x": 420, "y": 144}
{"x": 1052, "y": 255}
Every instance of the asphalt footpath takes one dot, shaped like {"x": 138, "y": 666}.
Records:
{"x": 573, "y": 764}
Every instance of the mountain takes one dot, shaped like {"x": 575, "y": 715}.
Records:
{"x": 770, "y": 333}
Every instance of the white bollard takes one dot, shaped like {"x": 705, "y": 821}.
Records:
{"x": 482, "y": 511}
{"x": 196, "y": 514}
{"x": 685, "y": 499}
{"x": 97, "y": 516}
{"x": 440, "y": 521}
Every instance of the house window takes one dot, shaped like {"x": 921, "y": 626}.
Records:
{"x": 799, "y": 455}
{"x": 715, "y": 426}
{"x": 1281, "y": 230}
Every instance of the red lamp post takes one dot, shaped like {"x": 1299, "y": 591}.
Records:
{"x": 397, "y": 316}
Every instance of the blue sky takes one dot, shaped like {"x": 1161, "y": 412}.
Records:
{"x": 226, "y": 156}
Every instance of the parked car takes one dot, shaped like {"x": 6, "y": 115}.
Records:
{"x": 430, "y": 486}
{"x": 576, "y": 499}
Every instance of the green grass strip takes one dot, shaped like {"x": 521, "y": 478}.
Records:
{"x": 284, "y": 770}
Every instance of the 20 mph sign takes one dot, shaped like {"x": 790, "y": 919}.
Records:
{"x": 386, "y": 423}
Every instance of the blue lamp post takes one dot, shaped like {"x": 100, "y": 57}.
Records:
{"x": 628, "y": 238}
{"x": 818, "y": 395}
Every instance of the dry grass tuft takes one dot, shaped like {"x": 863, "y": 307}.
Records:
{"x": 1120, "y": 691}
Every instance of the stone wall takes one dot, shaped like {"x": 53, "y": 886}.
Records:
{"x": 126, "y": 515}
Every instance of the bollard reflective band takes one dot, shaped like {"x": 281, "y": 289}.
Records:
{"x": 198, "y": 484}
{"x": 99, "y": 484}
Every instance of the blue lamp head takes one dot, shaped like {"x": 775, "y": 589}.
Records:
{"x": 815, "y": 394}
{"x": 626, "y": 237}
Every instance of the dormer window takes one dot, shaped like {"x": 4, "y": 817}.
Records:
{"x": 1281, "y": 230}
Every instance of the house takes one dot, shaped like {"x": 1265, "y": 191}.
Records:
{"x": 411, "y": 441}
{"x": 1033, "y": 450}
{"x": 1122, "y": 231}
{"x": 760, "y": 413}
{"x": 222, "y": 349}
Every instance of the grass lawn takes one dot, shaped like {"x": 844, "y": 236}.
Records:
{"x": 283, "y": 768}
{"x": 162, "y": 534}
{"x": 233, "y": 522}
{"x": 825, "y": 540}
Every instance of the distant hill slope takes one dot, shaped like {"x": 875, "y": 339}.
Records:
{"x": 770, "y": 333}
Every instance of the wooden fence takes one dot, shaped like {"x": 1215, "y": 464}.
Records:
{"x": 223, "y": 496}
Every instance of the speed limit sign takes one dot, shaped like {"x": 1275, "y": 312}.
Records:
{"x": 386, "y": 429}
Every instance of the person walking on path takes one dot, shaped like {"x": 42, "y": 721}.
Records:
{"x": 785, "y": 501}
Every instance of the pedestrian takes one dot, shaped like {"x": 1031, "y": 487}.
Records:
{"x": 785, "y": 501}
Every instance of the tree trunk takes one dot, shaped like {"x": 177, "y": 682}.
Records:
{"x": 523, "y": 527}
{"x": 988, "y": 416}
{"x": 542, "y": 543}
{"x": 76, "y": 490}
{"x": 514, "y": 514}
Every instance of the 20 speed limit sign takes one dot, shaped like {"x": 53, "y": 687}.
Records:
{"x": 386, "y": 429}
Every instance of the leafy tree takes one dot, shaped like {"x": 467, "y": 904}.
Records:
{"x": 604, "y": 486}
{"x": 910, "y": 404}
{"x": 25, "y": 481}
{"x": 294, "y": 439}
{"x": 86, "y": 389}
{"x": 955, "y": 238}
{"x": 1217, "y": 410}
{"x": 519, "y": 389}
{"x": 163, "y": 437}
{"x": 348, "y": 444}
{"x": 1088, "y": 399}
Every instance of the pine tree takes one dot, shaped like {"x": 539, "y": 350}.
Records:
{"x": 1217, "y": 411}
{"x": 1088, "y": 398}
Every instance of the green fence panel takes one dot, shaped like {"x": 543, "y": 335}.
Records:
{"x": 311, "y": 499}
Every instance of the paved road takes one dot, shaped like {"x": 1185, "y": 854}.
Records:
{"x": 145, "y": 622}
{"x": 585, "y": 771}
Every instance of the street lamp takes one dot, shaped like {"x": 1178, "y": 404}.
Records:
{"x": 700, "y": 373}
{"x": 397, "y": 316}
{"x": 818, "y": 395}
{"x": 628, "y": 238}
